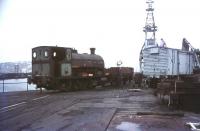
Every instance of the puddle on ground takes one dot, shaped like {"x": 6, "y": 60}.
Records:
{"x": 128, "y": 126}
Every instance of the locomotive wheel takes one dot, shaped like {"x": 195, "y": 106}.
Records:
{"x": 69, "y": 85}
{"x": 84, "y": 84}
{"x": 89, "y": 84}
{"x": 76, "y": 85}
{"x": 65, "y": 85}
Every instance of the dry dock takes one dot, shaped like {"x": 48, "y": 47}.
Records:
{"x": 96, "y": 110}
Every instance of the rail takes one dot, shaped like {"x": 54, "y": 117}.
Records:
{"x": 8, "y": 83}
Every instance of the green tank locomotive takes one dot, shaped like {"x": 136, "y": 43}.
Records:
{"x": 62, "y": 68}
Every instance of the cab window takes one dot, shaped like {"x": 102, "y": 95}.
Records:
{"x": 34, "y": 54}
{"x": 46, "y": 53}
{"x": 54, "y": 54}
{"x": 68, "y": 54}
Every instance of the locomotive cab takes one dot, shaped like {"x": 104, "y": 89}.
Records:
{"x": 49, "y": 63}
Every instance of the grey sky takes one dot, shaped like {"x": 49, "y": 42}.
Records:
{"x": 113, "y": 27}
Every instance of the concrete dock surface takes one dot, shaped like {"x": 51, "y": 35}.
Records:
{"x": 95, "y": 110}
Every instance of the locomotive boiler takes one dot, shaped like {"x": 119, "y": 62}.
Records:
{"x": 64, "y": 68}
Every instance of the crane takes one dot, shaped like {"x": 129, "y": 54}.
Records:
{"x": 196, "y": 52}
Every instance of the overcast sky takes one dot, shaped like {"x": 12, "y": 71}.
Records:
{"x": 113, "y": 27}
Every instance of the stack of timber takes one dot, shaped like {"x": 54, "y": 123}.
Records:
{"x": 182, "y": 94}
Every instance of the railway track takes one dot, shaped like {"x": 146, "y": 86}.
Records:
{"x": 85, "y": 110}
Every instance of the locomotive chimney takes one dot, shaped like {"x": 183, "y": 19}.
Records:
{"x": 92, "y": 51}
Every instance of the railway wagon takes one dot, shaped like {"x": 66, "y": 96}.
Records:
{"x": 63, "y": 68}
{"x": 120, "y": 75}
